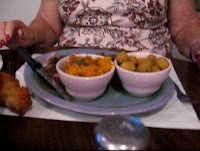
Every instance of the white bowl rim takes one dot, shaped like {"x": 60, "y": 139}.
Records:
{"x": 84, "y": 78}
{"x": 144, "y": 73}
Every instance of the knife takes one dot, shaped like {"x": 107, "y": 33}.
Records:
{"x": 37, "y": 67}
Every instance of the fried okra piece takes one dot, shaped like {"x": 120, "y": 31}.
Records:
{"x": 133, "y": 59}
{"x": 128, "y": 65}
{"x": 121, "y": 57}
{"x": 140, "y": 60}
{"x": 144, "y": 66}
{"x": 155, "y": 68}
{"x": 152, "y": 58}
{"x": 162, "y": 63}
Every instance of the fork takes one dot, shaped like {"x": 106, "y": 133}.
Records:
{"x": 182, "y": 97}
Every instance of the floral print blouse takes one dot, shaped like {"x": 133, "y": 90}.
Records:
{"x": 132, "y": 25}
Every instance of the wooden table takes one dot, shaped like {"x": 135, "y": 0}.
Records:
{"x": 39, "y": 134}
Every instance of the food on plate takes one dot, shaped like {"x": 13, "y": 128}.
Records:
{"x": 155, "y": 68}
{"x": 12, "y": 95}
{"x": 152, "y": 58}
{"x": 140, "y": 60}
{"x": 133, "y": 59}
{"x": 88, "y": 66}
{"x": 8, "y": 81}
{"x": 147, "y": 78}
{"x": 162, "y": 63}
{"x": 16, "y": 98}
{"x": 151, "y": 63}
{"x": 121, "y": 57}
{"x": 144, "y": 65}
{"x": 128, "y": 65}
{"x": 50, "y": 67}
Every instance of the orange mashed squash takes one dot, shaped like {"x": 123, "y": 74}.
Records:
{"x": 87, "y": 66}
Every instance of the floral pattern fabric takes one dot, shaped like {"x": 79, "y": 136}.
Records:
{"x": 132, "y": 25}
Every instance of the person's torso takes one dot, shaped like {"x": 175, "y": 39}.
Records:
{"x": 133, "y": 25}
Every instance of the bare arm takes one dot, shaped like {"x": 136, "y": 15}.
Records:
{"x": 184, "y": 24}
{"x": 47, "y": 26}
{"x": 44, "y": 30}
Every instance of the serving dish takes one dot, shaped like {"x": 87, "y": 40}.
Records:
{"x": 143, "y": 84}
{"x": 85, "y": 88}
{"x": 115, "y": 100}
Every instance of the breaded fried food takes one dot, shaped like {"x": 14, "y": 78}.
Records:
{"x": 152, "y": 58}
{"x": 121, "y": 57}
{"x": 128, "y": 65}
{"x": 155, "y": 68}
{"x": 16, "y": 98}
{"x": 162, "y": 63}
{"x": 144, "y": 67}
{"x": 8, "y": 81}
{"x": 12, "y": 95}
{"x": 133, "y": 59}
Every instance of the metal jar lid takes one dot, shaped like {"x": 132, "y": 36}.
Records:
{"x": 119, "y": 132}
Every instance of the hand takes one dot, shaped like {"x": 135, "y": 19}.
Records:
{"x": 195, "y": 52}
{"x": 197, "y": 57}
{"x": 14, "y": 34}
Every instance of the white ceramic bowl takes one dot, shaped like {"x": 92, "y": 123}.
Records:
{"x": 84, "y": 88}
{"x": 142, "y": 84}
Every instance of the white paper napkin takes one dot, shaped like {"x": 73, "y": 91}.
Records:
{"x": 174, "y": 115}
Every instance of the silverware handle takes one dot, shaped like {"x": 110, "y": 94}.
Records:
{"x": 27, "y": 57}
